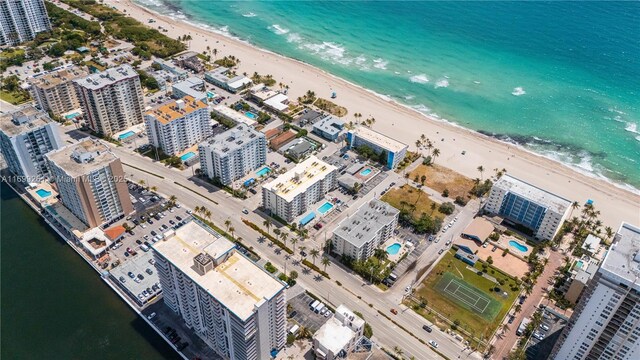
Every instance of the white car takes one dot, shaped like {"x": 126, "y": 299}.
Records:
{"x": 151, "y": 316}
{"x": 433, "y": 343}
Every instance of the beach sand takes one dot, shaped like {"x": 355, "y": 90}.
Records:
{"x": 406, "y": 125}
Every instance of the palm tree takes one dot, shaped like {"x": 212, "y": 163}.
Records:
{"x": 207, "y": 214}
{"x": 232, "y": 230}
{"x": 141, "y": 182}
{"x": 154, "y": 188}
{"x": 196, "y": 209}
{"x": 314, "y": 254}
{"x": 284, "y": 237}
{"x": 609, "y": 232}
{"x": 418, "y": 145}
{"x": 480, "y": 170}
{"x": 435, "y": 153}
{"x": 574, "y": 206}
{"x": 398, "y": 351}
{"x": 215, "y": 53}
{"x": 326, "y": 262}
{"x": 294, "y": 241}
{"x": 267, "y": 224}
{"x": 173, "y": 199}
{"x": 227, "y": 223}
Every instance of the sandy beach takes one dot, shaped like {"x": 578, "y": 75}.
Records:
{"x": 406, "y": 125}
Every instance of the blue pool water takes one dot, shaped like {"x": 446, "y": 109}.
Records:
{"x": 518, "y": 246}
{"x": 579, "y": 264}
{"x": 365, "y": 172}
{"x": 393, "y": 248}
{"x": 126, "y": 135}
{"x": 264, "y": 171}
{"x": 43, "y": 193}
{"x": 187, "y": 156}
{"x": 71, "y": 116}
{"x": 325, "y": 208}
{"x": 210, "y": 95}
{"x": 305, "y": 220}
{"x": 250, "y": 115}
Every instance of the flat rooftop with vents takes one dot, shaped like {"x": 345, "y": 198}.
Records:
{"x": 82, "y": 157}
{"x": 107, "y": 77}
{"x": 300, "y": 178}
{"x": 232, "y": 279}
{"x": 533, "y": 193}
{"x": 233, "y": 139}
{"x": 622, "y": 261}
{"x": 56, "y": 78}
{"x": 174, "y": 110}
{"x": 379, "y": 139}
{"x": 22, "y": 120}
{"x": 364, "y": 225}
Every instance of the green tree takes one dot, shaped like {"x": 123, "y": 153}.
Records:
{"x": 267, "y": 224}
{"x": 314, "y": 254}
{"x": 326, "y": 262}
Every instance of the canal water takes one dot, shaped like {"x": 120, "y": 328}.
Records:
{"x": 53, "y": 305}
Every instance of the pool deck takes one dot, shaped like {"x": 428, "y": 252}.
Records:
{"x": 510, "y": 264}
{"x": 390, "y": 242}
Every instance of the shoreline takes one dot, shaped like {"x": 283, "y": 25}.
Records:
{"x": 616, "y": 202}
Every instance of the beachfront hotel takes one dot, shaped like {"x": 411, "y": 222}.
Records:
{"x": 176, "y": 126}
{"x": 22, "y": 20}
{"x": 111, "y": 100}
{"x": 25, "y": 136}
{"x": 231, "y": 155}
{"x": 363, "y": 136}
{"x": 358, "y": 235}
{"x": 235, "y": 306}
{"x": 524, "y": 204}
{"x": 293, "y": 192}
{"x": 606, "y": 321}
{"x": 55, "y": 92}
{"x": 90, "y": 181}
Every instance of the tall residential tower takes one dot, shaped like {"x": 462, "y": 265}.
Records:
{"x": 22, "y": 20}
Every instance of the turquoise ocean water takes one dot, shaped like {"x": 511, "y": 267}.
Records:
{"x": 559, "y": 78}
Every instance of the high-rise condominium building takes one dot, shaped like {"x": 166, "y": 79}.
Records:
{"x": 91, "y": 182}
{"x": 21, "y": 20}
{"x": 235, "y": 306}
{"x": 25, "y": 136}
{"x": 293, "y": 192}
{"x": 178, "y": 125}
{"x": 111, "y": 100}
{"x": 55, "y": 92}
{"x": 361, "y": 233}
{"x": 233, "y": 154}
{"x": 606, "y": 321}
{"x": 523, "y": 204}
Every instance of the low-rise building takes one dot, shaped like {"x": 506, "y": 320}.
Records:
{"x": 231, "y": 155}
{"x": 228, "y": 113}
{"x": 277, "y": 103}
{"x": 219, "y": 77}
{"x": 54, "y": 92}
{"x": 26, "y": 135}
{"x": 190, "y": 60}
{"x": 339, "y": 335}
{"x": 292, "y": 193}
{"x": 363, "y": 136}
{"x": 176, "y": 126}
{"x": 282, "y": 139}
{"x": 192, "y": 86}
{"x": 299, "y": 149}
{"x": 579, "y": 280}
{"x": 329, "y": 127}
{"x": 181, "y": 74}
{"x": 360, "y": 234}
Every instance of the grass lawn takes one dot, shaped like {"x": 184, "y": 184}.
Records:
{"x": 13, "y": 98}
{"x": 464, "y": 297}
{"x": 408, "y": 195}
{"x": 440, "y": 178}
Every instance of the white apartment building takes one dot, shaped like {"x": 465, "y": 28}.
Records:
{"x": 293, "y": 192}
{"x": 25, "y": 136}
{"x": 233, "y": 154}
{"x": 111, "y": 100}
{"x": 235, "y": 306}
{"x": 525, "y": 204}
{"x": 22, "y": 20}
{"x": 339, "y": 335}
{"x": 393, "y": 149}
{"x": 54, "y": 92}
{"x": 90, "y": 181}
{"x": 358, "y": 235}
{"x": 176, "y": 126}
{"x": 606, "y": 321}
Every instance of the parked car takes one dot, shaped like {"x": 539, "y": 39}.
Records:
{"x": 151, "y": 316}
{"x": 131, "y": 275}
{"x": 427, "y": 328}
{"x": 245, "y": 211}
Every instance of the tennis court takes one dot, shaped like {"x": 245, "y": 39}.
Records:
{"x": 468, "y": 296}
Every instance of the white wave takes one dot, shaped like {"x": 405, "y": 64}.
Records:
{"x": 476, "y": 82}
{"x": 360, "y": 60}
{"x": 632, "y": 128}
{"x": 617, "y": 111}
{"x": 518, "y": 91}
{"x": 419, "y": 79}
{"x": 397, "y": 72}
{"x": 409, "y": 97}
{"x": 278, "y": 30}
{"x": 380, "y": 64}
{"x": 249, "y": 15}
{"x": 294, "y": 38}
{"x": 638, "y": 137}
{"x": 441, "y": 83}
{"x": 422, "y": 108}
{"x": 329, "y": 51}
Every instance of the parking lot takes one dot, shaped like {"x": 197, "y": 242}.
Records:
{"x": 545, "y": 336}
{"x": 138, "y": 278}
{"x": 303, "y": 315}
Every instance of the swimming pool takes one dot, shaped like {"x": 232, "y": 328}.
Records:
{"x": 250, "y": 115}
{"x": 579, "y": 264}
{"x": 71, "y": 116}
{"x": 126, "y": 135}
{"x": 187, "y": 156}
{"x": 393, "y": 248}
{"x": 325, "y": 208}
{"x": 366, "y": 172}
{"x": 264, "y": 171}
{"x": 43, "y": 193}
{"x": 518, "y": 246}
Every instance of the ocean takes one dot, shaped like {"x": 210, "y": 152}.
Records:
{"x": 561, "y": 79}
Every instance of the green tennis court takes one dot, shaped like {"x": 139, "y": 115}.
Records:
{"x": 468, "y": 296}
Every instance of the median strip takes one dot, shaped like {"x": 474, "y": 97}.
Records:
{"x": 144, "y": 171}
{"x": 195, "y": 192}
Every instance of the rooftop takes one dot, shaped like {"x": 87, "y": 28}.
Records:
{"x": 262, "y": 92}
{"x": 300, "y": 178}
{"x": 334, "y": 336}
{"x": 56, "y": 78}
{"x": 174, "y": 110}
{"x": 229, "y": 113}
{"x": 362, "y": 226}
{"x": 169, "y": 65}
{"x": 278, "y": 102}
{"x": 236, "y": 282}
{"x": 329, "y": 124}
{"x": 622, "y": 262}
{"x": 533, "y": 193}
{"x": 480, "y": 228}
{"x": 191, "y": 86}
{"x": 592, "y": 243}
{"x": 82, "y": 157}
{"x": 378, "y": 139}
{"x": 278, "y": 141}
{"x": 24, "y": 119}
{"x": 107, "y": 77}
{"x": 232, "y": 139}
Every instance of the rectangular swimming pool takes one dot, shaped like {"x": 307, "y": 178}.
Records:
{"x": 263, "y": 172}
{"x": 250, "y": 115}
{"x": 325, "y": 208}
{"x": 43, "y": 193}
{"x": 366, "y": 172}
{"x": 71, "y": 116}
{"x": 126, "y": 135}
{"x": 187, "y": 156}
